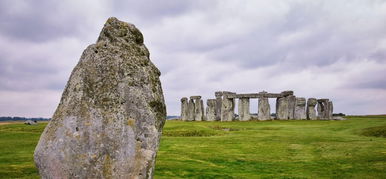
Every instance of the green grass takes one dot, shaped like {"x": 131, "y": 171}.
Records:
{"x": 270, "y": 149}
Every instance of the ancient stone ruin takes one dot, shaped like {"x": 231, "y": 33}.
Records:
{"x": 288, "y": 107}
{"x": 110, "y": 117}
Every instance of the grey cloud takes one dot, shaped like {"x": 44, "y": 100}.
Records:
{"x": 202, "y": 46}
{"x": 38, "y": 21}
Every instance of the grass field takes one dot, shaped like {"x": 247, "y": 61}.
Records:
{"x": 270, "y": 149}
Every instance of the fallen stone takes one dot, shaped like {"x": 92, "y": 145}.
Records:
{"x": 110, "y": 117}
{"x": 30, "y": 122}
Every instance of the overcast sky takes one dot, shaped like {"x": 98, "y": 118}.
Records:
{"x": 323, "y": 49}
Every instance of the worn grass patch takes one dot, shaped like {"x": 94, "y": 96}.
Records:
{"x": 379, "y": 131}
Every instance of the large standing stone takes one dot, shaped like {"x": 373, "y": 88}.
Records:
{"x": 218, "y": 95}
{"x": 310, "y": 110}
{"x": 291, "y": 106}
{"x": 198, "y": 108}
{"x": 330, "y": 110}
{"x": 300, "y": 108}
{"x": 264, "y": 111}
{"x": 191, "y": 111}
{"x": 244, "y": 114}
{"x": 227, "y": 107}
{"x": 211, "y": 110}
{"x": 184, "y": 109}
{"x": 282, "y": 108}
{"x": 323, "y": 109}
{"x": 110, "y": 117}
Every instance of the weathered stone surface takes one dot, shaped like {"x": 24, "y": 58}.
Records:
{"x": 291, "y": 106}
{"x": 110, "y": 117}
{"x": 191, "y": 110}
{"x": 282, "y": 108}
{"x": 300, "y": 108}
{"x": 211, "y": 110}
{"x": 323, "y": 109}
{"x": 198, "y": 108}
{"x": 244, "y": 114}
{"x": 264, "y": 111}
{"x": 310, "y": 110}
{"x": 195, "y": 97}
{"x": 259, "y": 95}
{"x": 330, "y": 110}
{"x": 227, "y": 108}
{"x": 218, "y": 95}
{"x": 184, "y": 109}
{"x": 287, "y": 93}
{"x": 30, "y": 122}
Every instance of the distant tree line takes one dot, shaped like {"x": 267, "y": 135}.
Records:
{"x": 23, "y": 119}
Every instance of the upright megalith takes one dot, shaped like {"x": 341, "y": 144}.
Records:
{"x": 324, "y": 109}
{"x": 211, "y": 110}
{"x": 264, "y": 110}
{"x": 110, "y": 117}
{"x": 330, "y": 109}
{"x": 191, "y": 110}
{"x": 300, "y": 108}
{"x": 282, "y": 108}
{"x": 310, "y": 110}
{"x": 198, "y": 108}
{"x": 244, "y": 114}
{"x": 227, "y": 107}
{"x": 291, "y": 106}
{"x": 218, "y": 95}
{"x": 184, "y": 109}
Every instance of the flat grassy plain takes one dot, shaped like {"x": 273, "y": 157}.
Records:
{"x": 269, "y": 149}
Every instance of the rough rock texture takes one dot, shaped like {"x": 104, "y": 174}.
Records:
{"x": 30, "y": 122}
{"x": 211, "y": 110}
{"x": 244, "y": 114}
{"x": 310, "y": 110}
{"x": 323, "y": 109}
{"x": 300, "y": 108}
{"x": 227, "y": 108}
{"x": 198, "y": 108}
{"x": 330, "y": 109}
{"x": 291, "y": 106}
{"x": 282, "y": 108}
{"x": 218, "y": 95}
{"x": 184, "y": 109}
{"x": 191, "y": 111}
{"x": 264, "y": 111}
{"x": 110, "y": 117}
{"x": 202, "y": 109}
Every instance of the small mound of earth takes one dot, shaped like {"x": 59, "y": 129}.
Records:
{"x": 379, "y": 131}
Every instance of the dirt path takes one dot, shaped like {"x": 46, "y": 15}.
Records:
{"x": 7, "y": 122}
